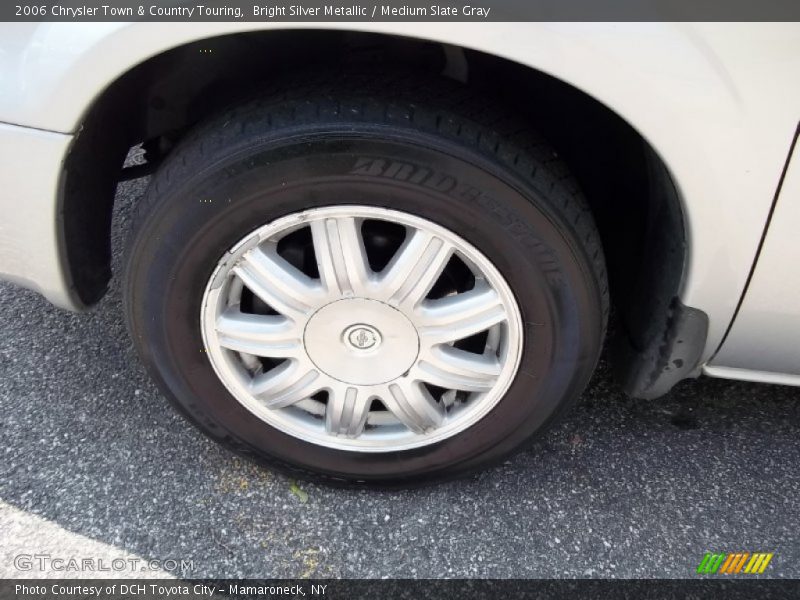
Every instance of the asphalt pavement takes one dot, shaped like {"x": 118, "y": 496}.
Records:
{"x": 95, "y": 463}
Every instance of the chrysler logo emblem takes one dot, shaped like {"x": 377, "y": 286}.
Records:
{"x": 362, "y": 337}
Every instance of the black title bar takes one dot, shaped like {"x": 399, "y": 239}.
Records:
{"x": 413, "y": 10}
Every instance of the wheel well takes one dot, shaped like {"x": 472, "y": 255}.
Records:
{"x": 632, "y": 196}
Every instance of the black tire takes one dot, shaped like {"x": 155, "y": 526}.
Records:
{"x": 288, "y": 151}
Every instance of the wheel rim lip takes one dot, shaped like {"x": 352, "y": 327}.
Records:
{"x": 308, "y": 429}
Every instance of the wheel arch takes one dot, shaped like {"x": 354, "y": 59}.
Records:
{"x": 633, "y": 195}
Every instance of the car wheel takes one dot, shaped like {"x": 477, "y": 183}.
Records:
{"x": 364, "y": 287}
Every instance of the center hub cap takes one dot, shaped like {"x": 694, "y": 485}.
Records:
{"x": 361, "y": 342}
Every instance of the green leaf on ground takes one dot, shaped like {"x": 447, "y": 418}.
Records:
{"x": 295, "y": 489}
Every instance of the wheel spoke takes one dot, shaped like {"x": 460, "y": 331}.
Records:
{"x": 460, "y": 316}
{"x": 346, "y": 412}
{"x": 340, "y": 254}
{"x": 260, "y": 335}
{"x": 455, "y": 369}
{"x": 414, "y": 269}
{"x": 413, "y": 405}
{"x": 286, "y": 384}
{"x": 283, "y": 287}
